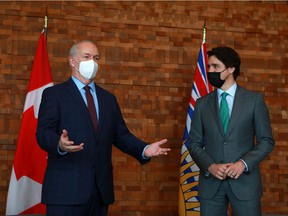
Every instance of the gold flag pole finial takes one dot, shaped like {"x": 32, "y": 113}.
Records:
{"x": 204, "y": 31}
{"x": 45, "y": 27}
{"x": 45, "y": 22}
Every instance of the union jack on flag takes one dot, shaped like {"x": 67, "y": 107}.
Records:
{"x": 189, "y": 204}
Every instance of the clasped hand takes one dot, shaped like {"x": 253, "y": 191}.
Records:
{"x": 222, "y": 171}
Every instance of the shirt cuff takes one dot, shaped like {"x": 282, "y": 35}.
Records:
{"x": 143, "y": 153}
{"x": 207, "y": 174}
{"x": 245, "y": 164}
{"x": 60, "y": 151}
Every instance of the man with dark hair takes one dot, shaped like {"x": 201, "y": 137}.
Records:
{"x": 230, "y": 135}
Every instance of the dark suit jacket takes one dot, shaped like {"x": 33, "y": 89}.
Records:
{"x": 69, "y": 179}
{"x": 249, "y": 137}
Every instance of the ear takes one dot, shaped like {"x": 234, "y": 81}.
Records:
{"x": 71, "y": 61}
{"x": 231, "y": 69}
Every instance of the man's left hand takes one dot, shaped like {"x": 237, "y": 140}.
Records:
{"x": 235, "y": 170}
{"x": 155, "y": 150}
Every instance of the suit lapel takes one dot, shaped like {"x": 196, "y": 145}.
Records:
{"x": 79, "y": 102}
{"x": 213, "y": 105}
{"x": 238, "y": 106}
{"x": 75, "y": 94}
{"x": 101, "y": 108}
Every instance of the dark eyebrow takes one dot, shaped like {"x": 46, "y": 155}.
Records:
{"x": 213, "y": 65}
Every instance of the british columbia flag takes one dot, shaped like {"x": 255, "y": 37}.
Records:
{"x": 189, "y": 204}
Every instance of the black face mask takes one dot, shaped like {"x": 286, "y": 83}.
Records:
{"x": 215, "y": 79}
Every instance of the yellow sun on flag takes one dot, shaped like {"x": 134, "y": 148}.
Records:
{"x": 189, "y": 204}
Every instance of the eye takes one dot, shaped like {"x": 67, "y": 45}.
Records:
{"x": 96, "y": 58}
{"x": 215, "y": 66}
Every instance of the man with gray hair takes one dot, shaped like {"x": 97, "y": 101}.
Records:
{"x": 78, "y": 123}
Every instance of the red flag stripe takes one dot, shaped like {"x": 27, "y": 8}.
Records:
{"x": 24, "y": 195}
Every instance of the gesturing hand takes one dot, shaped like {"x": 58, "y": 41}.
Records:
{"x": 68, "y": 146}
{"x": 155, "y": 149}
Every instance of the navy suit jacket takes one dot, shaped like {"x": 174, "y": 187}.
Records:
{"x": 69, "y": 178}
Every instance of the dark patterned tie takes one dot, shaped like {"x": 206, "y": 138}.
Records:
{"x": 224, "y": 112}
{"x": 91, "y": 106}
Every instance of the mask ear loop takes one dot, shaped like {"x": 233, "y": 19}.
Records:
{"x": 72, "y": 65}
{"x": 223, "y": 70}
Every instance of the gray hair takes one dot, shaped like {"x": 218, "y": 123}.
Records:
{"x": 74, "y": 49}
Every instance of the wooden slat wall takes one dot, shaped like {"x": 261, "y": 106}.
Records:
{"x": 148, "y": 53}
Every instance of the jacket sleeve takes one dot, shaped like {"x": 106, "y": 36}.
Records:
{"x": 195, "y": 140}
{"x": 47, "y": 133}
{"x": 263, "y": 132}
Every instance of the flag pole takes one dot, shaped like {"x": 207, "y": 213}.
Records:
{"x": 204, "y": 32}
{"x": 45, "y": 26}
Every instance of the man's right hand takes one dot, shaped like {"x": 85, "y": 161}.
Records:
{"x": 66, "y": 145}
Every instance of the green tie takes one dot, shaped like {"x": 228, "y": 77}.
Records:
{"x": 224, "y": 112}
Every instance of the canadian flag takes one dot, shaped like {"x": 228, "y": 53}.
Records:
{"x": 24, "y": 194}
